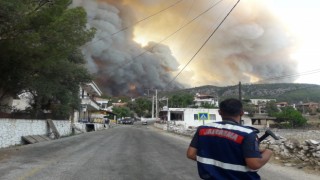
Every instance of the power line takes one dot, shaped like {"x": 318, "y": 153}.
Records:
{"x": 148, "y": 17}
{"x": 177, "y": 2}
{"x": 186, "y": 16}
{"x": 188, "y": 36}
{"x": 156, "y": 44}
{"x": 204, "y": 43}
{"x": 290, "y": 75}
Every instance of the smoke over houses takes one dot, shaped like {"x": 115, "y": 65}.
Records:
{"x": 250, "y": 45}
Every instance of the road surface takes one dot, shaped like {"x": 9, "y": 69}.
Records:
{"x": 124, "y": 152}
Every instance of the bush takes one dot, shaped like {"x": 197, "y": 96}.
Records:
{"x": 290, "y": 117}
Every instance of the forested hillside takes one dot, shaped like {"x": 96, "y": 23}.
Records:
{"x": 289, "y": 92}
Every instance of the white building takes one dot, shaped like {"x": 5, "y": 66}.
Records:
{"x": 23, "y": 102}
{"x": 190, "y": 117}
{"x": 261, "y": 101}
{"x": 103, "y": 104}
{"x": 201, "y": 99}
{"x": 195, "y": 117}
{"x": 87, "y": 94}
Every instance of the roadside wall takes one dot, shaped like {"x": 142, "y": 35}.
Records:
{"x": 301, "y": 153}
{"x": 11, "y": 130}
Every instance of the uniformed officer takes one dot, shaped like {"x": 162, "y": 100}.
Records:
{"x": 227, "y": 150}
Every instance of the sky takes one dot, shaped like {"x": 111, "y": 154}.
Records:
{"x": 298, "y": 20}
{"x": 163, "y": 44}
{"x": 301, "y": 17}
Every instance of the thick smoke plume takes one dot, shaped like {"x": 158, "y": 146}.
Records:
{"x": 122, "y": 66}
{"x": 250, "y": 45}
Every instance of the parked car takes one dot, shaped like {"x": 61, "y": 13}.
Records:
{"x": 144, "y": 122}
{"x": 127, "y": 121}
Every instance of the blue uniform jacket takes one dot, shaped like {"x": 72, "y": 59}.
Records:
{"x": 222, "y": 148}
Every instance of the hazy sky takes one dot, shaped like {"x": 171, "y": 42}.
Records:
{"x": 302, "y": 18}
{"x": 254, "y": 43}
{"x": 260, "y": 40}
{"x": 297, "y": 18}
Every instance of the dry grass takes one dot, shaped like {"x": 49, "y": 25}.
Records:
{"x": 313, "y": 120}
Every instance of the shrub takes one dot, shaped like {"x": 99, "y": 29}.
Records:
{"x": 290, "y": 116}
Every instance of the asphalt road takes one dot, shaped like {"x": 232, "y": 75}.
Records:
{"x": 124, "y": 152}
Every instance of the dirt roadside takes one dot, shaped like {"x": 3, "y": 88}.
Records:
{"x": 6, "y": 153}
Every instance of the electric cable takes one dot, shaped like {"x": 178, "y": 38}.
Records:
{"x": 187, "y": 38}
{"x": 139, "y": 21}
{"x": 186, "y": 16}
{"x": 290, "y": 75}
{"x": 204, "y": 42}
{"x": 156, "y": 44}
{"x": 125, "y": 28}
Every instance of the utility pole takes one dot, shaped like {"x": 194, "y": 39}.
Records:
{"x": 240, "y": 99}
{"x": 167, "y": 103}
{"x": 240, "y": 93}
{"x": 157, "y": 104}
{"x": 152, "y": 107}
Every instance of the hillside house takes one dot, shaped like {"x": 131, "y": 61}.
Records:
{"x": 261, "y": 101}
{"x": 201, "y": 99}
{"x": 260, "y": 104}
{"x": 310, "y": 107}
{"x": 119, "y": 104}
{"x": 103, "y": 103}
{"x": 282, "y": 104}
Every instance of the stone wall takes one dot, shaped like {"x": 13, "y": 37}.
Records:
{"x": 12, "y": 130}
{"x": 296, "y": 148}
{"x": 293, "y": 153}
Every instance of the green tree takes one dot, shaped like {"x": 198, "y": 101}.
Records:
{"x": 290, "y": 117}
{"x": 249, "y": 107}
{"x": 209, "y": 106}
{"x": 122, "y": 112}
{"x": 181, "y": 100}
{"x": 39, "y": 52}
{"x": 271, "y": 108}
{"x": 142, "y": 107}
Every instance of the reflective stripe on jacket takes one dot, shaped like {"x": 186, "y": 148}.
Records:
{"x": 220, "y": 155}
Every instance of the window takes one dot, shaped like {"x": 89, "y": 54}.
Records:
{"x": 195, "y": 117}
{"x": 212, "y": 117}
{"x": 176, "y": 116}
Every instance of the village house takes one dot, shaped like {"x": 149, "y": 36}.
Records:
{"x": 261, "y": 104}
{"x": 103, "y": 103}
{"x": 190, "y": 116}
{"x": 201, "y": 99}
{"x": 261, "y": 101}
{"x": 88, "y": 92}
{"x": 310, "y": 107}
{"x": 20, "y": 130}
{"x": 282, "y": 104}
{"x": 193, "y": 117}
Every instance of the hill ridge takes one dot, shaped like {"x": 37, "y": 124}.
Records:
{"x": 288, "y": 92}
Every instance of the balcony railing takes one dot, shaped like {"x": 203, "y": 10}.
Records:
{"x": 90, "y": 103}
